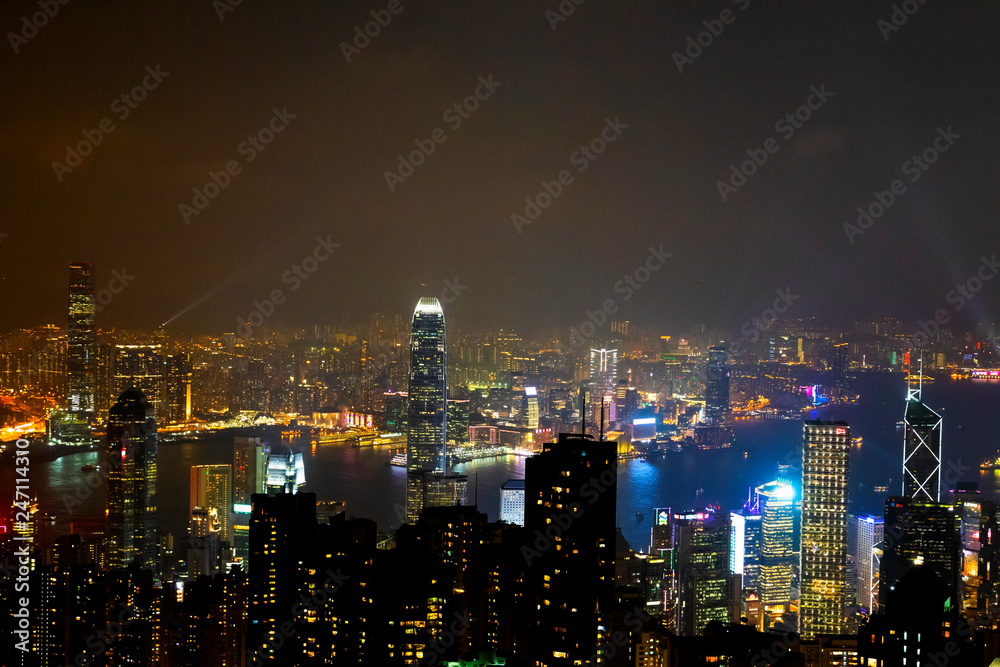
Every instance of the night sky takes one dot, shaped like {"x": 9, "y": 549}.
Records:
{"x": 323, "y": 174}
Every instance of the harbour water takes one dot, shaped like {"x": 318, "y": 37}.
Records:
{"x": 373, "y": 489}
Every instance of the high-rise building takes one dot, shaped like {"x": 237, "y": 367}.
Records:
{"x": 920, "y": 532}
{"x": 131, "y": 499}
{"x": 716, "y": 385}
{"x": 530, "y": 414}
{"x": 979, "y": 555}
{"x": 512, "y": 501}
{"x": 81, "y": 357}
{"x": 249, "y": 468}
{"x": 286, "y": 471}
{"x": 777, "y": 550}
{"x": 603, "y": 371}
{"x": 826, "y": 452}
{"x": 212, "y": 488}
{"x": 744, "y": 548}
{"x": 571, "y": 496}
{"x": 458, "y": 420}
{"x": 870, "y": 533}
{"x": 396, "y": 411}
{"x": 178, "y": 388}
{"x": 921, "y": 450}
{"x": 141, "y": 366}
{"x": 204, "y": 545}
{"x": 705, "y": 585}
{"x": 426, "y": 450}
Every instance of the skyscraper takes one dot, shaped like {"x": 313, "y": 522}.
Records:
{"x": 921, "y": 450}
{"x": 570, "y": 496}
{"x": 826, "y": 451}
{"x": 777, "y": 554}
{"x": 131, "y": 451}
{"x": 603, "y": 371}
{"x": 426, "y": 449}
{"x": 870, "y": 532}
{"x": 249, "y": 468}
{"x": 705, "y": 585}
{"x": 512, "y": 501}
{"x": 141, "y": 366}
{"x": 81, "y": 356}
{"x": 211, "y": 488}
{"x": 716, "y": 385}
{"x": 178, "y": 388}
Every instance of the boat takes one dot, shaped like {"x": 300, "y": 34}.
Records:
{"x": 398, "y": 460}
{"x": 638, "y": 515}
{"x": 991, "y": 465}
{"x": 881, "y": 489}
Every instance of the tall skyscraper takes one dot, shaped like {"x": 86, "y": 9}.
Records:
{"x": 826, "y": 450}
{"x": 458, "y": 420}
{"x": 571, "y": 495}
{"x": 131, "y": 451}
{"x": 870, "y": 532}
{"x": 141, "y": 366}
{"x": 921, "y": 450}
{"x": 286, "y": 471}
{"x": 705, "y": 584}
{"x": 921, "y": 532}
{"x": 777, "y": 554}
{"x": 603, "y": 371}
{"x": 81, "y": 355}
{"x": 716, "y": 385}
{"x": 178, "y": 388}
{"x": 426, "y": 449}
{"x": 249, "y": 468}
{"x": 212, "y": 488}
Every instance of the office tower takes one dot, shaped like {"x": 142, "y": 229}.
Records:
{"x": 131, "y": 499}
{"x": 744, "y": 548}
{"x": 921, "y": 450}
{"x": 530, "y": 413}
{"x": 826, "y": 452}
{"x": 570, "y": 498}
{"x": 458, "y": 420}
{"x": 286, "y": 471}
{"x": 178, "y": 388}
{"x": 81, "y": 356}
{"x": 249, "y": 468}
{"x": 204, "y": 542}
{"x": 705, "y": 586}
{"x": 870, "y": 533}
{"x": 282, "y": 534}
{"x": 919, "y": 532}
{"x": 978, "y": 563}
{"x": 603, "y": 370}
{"x": 716, "y": 385}
{"x": 141, "y": 366}
{"x": 427, "y": 396}
{"x": 396, "y": 411}
{"x": 776, "y": 501}
{"x": 212, "y": 488}
{"x": 512, "y": 501}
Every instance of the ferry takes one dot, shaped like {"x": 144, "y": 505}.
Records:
{"x": 991, "y": 465}
{"x": 881, "y": 489}
{"x": 398, "y": 460}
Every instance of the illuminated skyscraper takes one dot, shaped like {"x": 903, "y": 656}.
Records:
{"x": 131, "y": 451}
{"x": 427, "y": 402}
{"x": 249, "y": 468}
{"x": 141, "y": 366}
{"x": 716, "y": 385}
{"x": 777, "y": 554}
{"x": 870, "y": 531}
{"x": 82, "y": 347}
{"x": 826, "y": 452}
{"x": 178, "y": 388}
{"x": 458, "y": 420}
{"x": 211, "y": 488}
{"x": 286, "y": 471}
{"x": 921, "y": 450}
{"x": 705, "y": 585}
{"x": 512, "y": 501}
{"x": 603, "y": 371}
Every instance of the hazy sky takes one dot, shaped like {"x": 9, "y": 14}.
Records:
{"x": 343, "y": 125}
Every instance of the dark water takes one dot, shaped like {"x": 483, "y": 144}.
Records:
{"x": 971, "y": 412}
